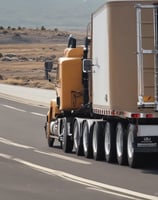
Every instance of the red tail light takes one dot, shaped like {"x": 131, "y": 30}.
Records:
{"x": 135, "y": 115}
{"x": 149, "y": 115}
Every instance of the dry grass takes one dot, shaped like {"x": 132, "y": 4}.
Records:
{"x": 34, "y": 46}
{"x": 30, "y": 72}
{"x": 33, "y": 50}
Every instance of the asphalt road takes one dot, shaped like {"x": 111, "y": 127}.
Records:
{"x": 29, "y": 169}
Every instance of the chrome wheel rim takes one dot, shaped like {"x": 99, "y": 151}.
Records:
{"x": 119, "y": 140}
{"x": 76, "y": 136}
{"x": 130, "y": 141}
{"x": 107, "y": 141}
{"x": 95, "y": 139}
{"x": 85, "y": 138}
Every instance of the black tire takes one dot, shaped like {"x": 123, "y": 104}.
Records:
{"x": 98, "y": 141}
{"x": 132, "y": 156}
{"x": 50, "y": 141}
{"x": 121, "y": 144}
{"x": 78, "y": 140}
{"x": 67, "y": 143}
{"x": 109, "y": 142}
{"x": 87, "y": 140}
{"x": 48, "y": 135}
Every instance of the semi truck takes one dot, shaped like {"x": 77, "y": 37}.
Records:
{"x": 106, "y": 104}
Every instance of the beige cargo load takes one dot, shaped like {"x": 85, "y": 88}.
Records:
{"x": 117, "y": 84}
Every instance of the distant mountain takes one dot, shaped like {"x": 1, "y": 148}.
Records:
{"x": 69, "y": 14}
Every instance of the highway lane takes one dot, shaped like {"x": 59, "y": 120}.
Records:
{"x": 31, "y": 170}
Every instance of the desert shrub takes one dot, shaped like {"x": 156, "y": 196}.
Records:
{"x": 25, "y": 33}
{"x": 1, "y": 77}
{"x": 1, "y": 28}
{"x": 5, "y": 32}
{"x": 56, "y": 29}
{"x": 17, "y": 35}
{"x": 43, "y": 28}
{"x": 13, "y": 81}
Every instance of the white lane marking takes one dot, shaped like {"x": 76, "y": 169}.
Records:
{"x": 38, "y": 114}
{"x": 21, "y": 110}
{"x": 113, "y": 193}
{"x": 13, "y": 108}
{"x": 6, "y": 156}
{"x": 9, "y": 142}
{"x": 64, "y": 157}
{"x": 117, "y": 191}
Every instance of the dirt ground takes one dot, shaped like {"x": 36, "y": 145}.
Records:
{"x": 24, "y": 52}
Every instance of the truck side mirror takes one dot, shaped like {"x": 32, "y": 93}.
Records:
{"x": 48, "y": 66}
{"x": 87, "y": 65}
{"x": 71, "y": 42}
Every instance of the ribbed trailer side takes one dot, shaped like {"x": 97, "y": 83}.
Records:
{"x": 115, "y": 73}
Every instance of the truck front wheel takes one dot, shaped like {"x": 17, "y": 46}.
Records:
{"x": 50, "y": 141}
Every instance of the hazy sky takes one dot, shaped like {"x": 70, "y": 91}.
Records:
{"x": 48, "y": 13}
